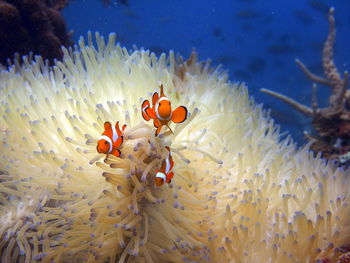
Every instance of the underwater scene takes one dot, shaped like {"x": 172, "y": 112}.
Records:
{"x": 174, "y": 131}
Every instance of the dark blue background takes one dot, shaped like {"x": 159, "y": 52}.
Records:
{"x": 256, "y": 41}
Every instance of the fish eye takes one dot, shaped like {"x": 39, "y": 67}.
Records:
{"x": 160, "y": 103}
{"x": 106, "y": 142}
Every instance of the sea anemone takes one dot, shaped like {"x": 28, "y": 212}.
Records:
{"x": 241, "y": 192}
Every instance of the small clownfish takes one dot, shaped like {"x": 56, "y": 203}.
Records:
{"x": 111, "y": 139}
{"x": 161, "y": 111}
{"x": 164, "y": 174}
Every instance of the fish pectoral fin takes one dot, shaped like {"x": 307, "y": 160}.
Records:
{"x": 116, "y": 152}
{"x": 179, "y": 114}
{"x": 169, "y": 177}
{"x": 151, "y": 113}
{"x": 118, "y": 142}
{"x": 144, "y": 107}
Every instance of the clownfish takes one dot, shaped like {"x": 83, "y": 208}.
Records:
{"x": 111, "y": 139}
{"x": 161, "y": 111}
{"x": 164, "y": 174}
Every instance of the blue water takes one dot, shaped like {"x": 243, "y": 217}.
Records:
{"x": 255, "y": 41}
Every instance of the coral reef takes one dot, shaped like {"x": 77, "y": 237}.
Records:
{"x": 239, "y": 193}
{"x": 332, "y": 123}
{"x": 32, "y": 26}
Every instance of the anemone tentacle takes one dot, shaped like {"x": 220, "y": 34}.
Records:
{"x": 241, "y": 192}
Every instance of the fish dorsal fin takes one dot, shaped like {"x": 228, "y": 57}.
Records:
{"x": 169, "y": 162}
{"x": 155, "y": 98}
{"x": 107, "y": 126}
{"x": 161, "y": 91}
{"x": 163, "y": 165}
{"x": 108, "y": 129}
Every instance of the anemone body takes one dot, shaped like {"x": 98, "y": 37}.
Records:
{"x": 240, "y": 193}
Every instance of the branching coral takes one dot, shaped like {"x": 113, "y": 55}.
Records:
{"x": 239, "y": 194}
{"x": 331, "y": 123}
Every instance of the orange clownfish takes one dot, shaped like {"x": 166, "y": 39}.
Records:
{"x": 111, "y": 139}
{"x": 161, "y": 111}
{"x": 164, "y": 174}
